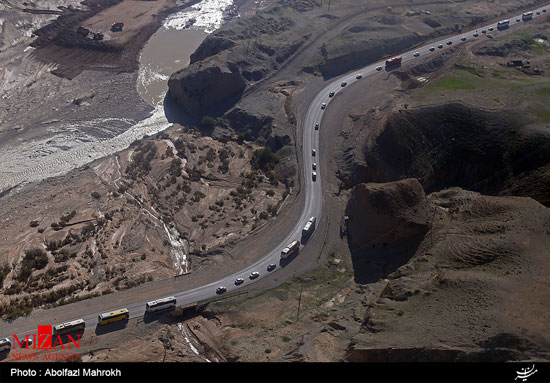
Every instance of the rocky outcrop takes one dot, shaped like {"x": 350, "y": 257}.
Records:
{"x": 248, "y": 123}
{"x": 206, "y": 87}
{"x": 447, "y": 145}
{"x": 211, "y": 46}
{"x": 386, "y": 213}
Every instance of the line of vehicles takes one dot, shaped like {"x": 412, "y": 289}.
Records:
{"x": 102, "y": 319}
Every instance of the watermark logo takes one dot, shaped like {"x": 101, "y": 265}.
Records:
{"x": 44, "y": 339}
{"x": 525, "y": 373}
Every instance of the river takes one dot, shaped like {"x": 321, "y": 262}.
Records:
{"x": 168, "y": 50}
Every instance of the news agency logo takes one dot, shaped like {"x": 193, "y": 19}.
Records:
{"x": 44, "y": 339}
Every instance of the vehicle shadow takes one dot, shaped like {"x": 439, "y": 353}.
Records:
{"x": 69, "y": 338}
{"x": 285, "y": 261}
{"x": 110, "y": 327}
{"x": 163, "y": 316}
{"x": 391, "y": 68}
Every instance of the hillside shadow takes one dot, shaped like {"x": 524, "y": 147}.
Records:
{"x": 375, "y": 263}
{"x": 175, "y": 114}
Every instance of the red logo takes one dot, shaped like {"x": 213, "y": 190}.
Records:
{"x": 44, "y": 339}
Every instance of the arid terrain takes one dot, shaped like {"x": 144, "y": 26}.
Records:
{"x": 442, "y": 169}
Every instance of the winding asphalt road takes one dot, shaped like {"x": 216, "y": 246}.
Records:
{"x": 312, "y": 189}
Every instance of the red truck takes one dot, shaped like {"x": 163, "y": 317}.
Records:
{"x": 393, "y": 61}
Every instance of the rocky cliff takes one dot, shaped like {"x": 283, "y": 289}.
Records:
{"x": 384, "y": 213}
{"x": 206, "y": 87}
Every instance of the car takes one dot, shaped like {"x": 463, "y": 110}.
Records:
{"x": 440, "y": 46}
{"x": 331, "y": 94}
{"x": 432, "y": 49}
{"x": 314, "y": 176}
{"x": 313, "y": 152}
{"x": 314, "y": 166}
{"x": 518, "y": 20}
{"x": 343, "y": 84}
{"x": 538, "y": 12}
{"x": 449, "y": 42}
{"x": 476, "y": 34}
{"x": 463, "y": 38}
{"x": 317, "y": 126}
{"x": 221, "y": 290}
{"x": 378, "y": 68}
{"x": 544, "y": 10}
{"x": 271, "y": 267}
{"x": 323, "y": 105}
{"x": 490, "y": 36}
{"x": 254, "y": 275}
{"x": 416, "y": 54}
{"x": 484, "y": 31}
{"x": 359, "y": 76}
{"x": 239, "y": 281}
{"x": 491, "y": 29}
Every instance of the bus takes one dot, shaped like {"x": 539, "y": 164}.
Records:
{"x": 113, "y": 316}
{"x": 292, "y": 248}
{"x": 67, "y": 327}
{"x": 309, "y": 227}
{"x": 527, "y": 15}
{"x": 5, "y": 344}
{"x": 160, "y": 304}
{"x": 503, "y": 24}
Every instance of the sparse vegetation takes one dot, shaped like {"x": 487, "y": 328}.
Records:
{"x": 34, "y": 259}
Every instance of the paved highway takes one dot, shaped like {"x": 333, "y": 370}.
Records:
{"x": 312, "y": 189}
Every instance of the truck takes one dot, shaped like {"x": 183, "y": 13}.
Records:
{"x": 503, "y": 24}
{"x": 393, "y": 61}
{"x": 291, "y": 248}
{"x": 527, "y": 15}
{"x": 117, "y": 27}
{"x": 309, "y": 228}
{"x": 83, "y": 31}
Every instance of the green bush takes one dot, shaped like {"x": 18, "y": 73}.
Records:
{"x": 208, "y": 122}
{"x": 263, "y": 159}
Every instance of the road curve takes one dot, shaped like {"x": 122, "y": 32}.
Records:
{"x": 312, "y": 189}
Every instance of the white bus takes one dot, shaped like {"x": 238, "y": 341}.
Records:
{"x": 5, "y": 344}
{"x": 67, "y": 327}
{"x": 160, "y": 304}
{"x": 503, "y": 24}
{"x": 292, "y": 248}
{"x": 527, "y": 15}
{"x": 309, "y": 227}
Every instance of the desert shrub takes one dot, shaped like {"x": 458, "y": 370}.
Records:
{"x": 95, "y": 195}
{"x": 263, "y": 159}
{"x": 36, "y": 259}
{"x": 208, "y": 122}
{"x": 4, "y": 271}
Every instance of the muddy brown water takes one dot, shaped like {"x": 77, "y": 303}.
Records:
{"x": 167, "y": 51}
